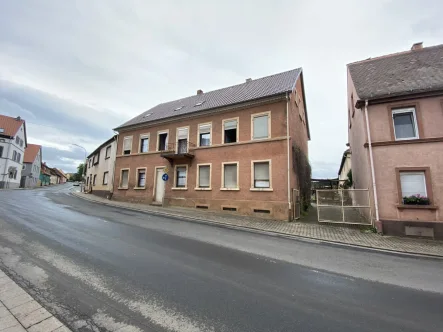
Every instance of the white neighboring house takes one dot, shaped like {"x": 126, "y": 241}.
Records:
{"x": 32, "y": 163}
{"x": 345, "y": 166}
{"x": 12, "y": 149}
{"x": 100, "y": 166}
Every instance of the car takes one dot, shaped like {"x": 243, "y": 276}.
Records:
{"x": 76, "y": 183}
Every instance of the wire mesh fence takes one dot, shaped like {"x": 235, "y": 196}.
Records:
{"x": 349, "y": 206}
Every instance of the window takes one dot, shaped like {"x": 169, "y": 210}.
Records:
{"x": 21, "y": 142}
{"x": 162, "y": 139}
{"x": 204, "y": 176}
{"x": 405, "y": 123}
{"x": 17, "y": 140}
{"x": 127, "y": 145}
{"x": 141, "y": 177}
{"x": 108, "y": 152}
{"x": 413, "y": 183}
{"x": 124, "y": 178}
{"x": 199, "y": 103}
{"x": 94, "y": 179}
{"x": 14, "y": 155}
{"x": 230, "y": 176}
{"x": 204, "y": 134}
{"x": 96, "y": 159}
{"x": 87, "y": 181}
{"x": 180, "y": 176}
{"x": 105, "y": 177}
{"x": 19, "y": 157}
{"x": 144, "y": 143}
{"x": 230, "y": 130}
{"x": 90, "y": 162}
{"x": 261, "y": 125}
{"x": 182, "y": 139}
{"x": 261, "y": 174}
{"x": 1, "y": 151}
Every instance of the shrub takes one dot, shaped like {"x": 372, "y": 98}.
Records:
{"x": 416, "y": 200}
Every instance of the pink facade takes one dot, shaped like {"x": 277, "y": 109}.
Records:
{"x": 392, "y": 157}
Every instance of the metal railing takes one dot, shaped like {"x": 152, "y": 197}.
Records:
{"x": 181, "y": 147}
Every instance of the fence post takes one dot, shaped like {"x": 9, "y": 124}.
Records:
{"x": 318, "y": 210}
{"x": 342, "y": 204}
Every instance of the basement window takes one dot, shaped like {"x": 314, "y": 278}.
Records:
{"x": 202, "y": 207}
{"x": 230, "y": 131}
{"x": 262, "y": 211}
{"x": 227, "y": 208}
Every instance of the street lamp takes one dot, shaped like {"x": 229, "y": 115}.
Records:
{"x": 84, "y": 165}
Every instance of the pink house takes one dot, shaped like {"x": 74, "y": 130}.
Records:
{"x": 395, "y": 129}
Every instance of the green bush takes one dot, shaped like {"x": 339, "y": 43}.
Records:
{"x": 416, "y": 200}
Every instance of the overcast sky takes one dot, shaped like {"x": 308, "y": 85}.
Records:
{"x": 75, "y": 69}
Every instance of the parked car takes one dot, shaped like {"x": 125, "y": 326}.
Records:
{"x": 76, "y": 183}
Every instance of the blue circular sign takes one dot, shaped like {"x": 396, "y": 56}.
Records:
{"x": 165, "y": 177}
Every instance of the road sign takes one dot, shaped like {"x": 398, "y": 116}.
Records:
{"x": 165, "y": 177}
{"x": 165, "y": 170}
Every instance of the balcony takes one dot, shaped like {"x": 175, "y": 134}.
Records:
{"x": 180, "y": 150}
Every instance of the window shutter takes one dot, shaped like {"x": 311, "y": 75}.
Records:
{"x": 203, "y": 176}
{"x": 413, "y": 184}
{"x": 231, "y": 124}
{"x": 182, "y": 133}
{"x": 261, "y": 126}
{"x": 230, "y": 176}
{"x": 205, "y": 128}
{"x": 127, "y": 143}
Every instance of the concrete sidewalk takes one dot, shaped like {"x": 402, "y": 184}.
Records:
{"x": 19, "y": 312}
{"x": 332, "y": 234}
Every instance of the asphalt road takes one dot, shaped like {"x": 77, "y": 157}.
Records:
{"x": 99, "y": 268}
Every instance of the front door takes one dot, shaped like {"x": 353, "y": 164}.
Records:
{"x": 159, "y": 186}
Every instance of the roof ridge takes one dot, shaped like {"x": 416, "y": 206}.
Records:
{"x": 429, "y": 48}
{"x": 231, "y": 86}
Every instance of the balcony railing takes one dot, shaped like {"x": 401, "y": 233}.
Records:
{"x": 182, "y": 149}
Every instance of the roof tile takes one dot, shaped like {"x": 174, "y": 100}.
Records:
{"x": 9, "y": 125}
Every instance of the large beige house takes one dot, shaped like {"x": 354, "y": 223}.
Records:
{"x": 395, "y": 111}
{"x": 225, "y": 150}
{"x": 100, "y": 168}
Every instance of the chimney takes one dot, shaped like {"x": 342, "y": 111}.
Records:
{"x": 248, "y": 80}
{"x": 199, "y": 92}
{"x": 417, "y": 46}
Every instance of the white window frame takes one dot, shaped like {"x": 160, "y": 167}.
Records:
{"x": 175, "y": 178}
{"x": 166, "y": 131}
{"x": 414, "y": 173}
{"x": 223, "y": 175}
{"x": 143, "y": 136}
{"x": 257, "y": 115}
{"x": 137, "y": 177}
{"x": 123, "y": 147}
{"x": 406, "y": 110}
{"x": 210, "y": 133}
{"x": 176, "y": 138}
{"x": 223, "y": 129}
{"x": 121, "y": 177}
{"x": 269, "y": 161}
{"x": 197, "y": 184}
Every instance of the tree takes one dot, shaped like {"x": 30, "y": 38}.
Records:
{"x": 79, "y": 175}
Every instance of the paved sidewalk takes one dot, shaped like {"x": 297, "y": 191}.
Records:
{"x": 19, "y": 312}
{"x": 335, "y": 234}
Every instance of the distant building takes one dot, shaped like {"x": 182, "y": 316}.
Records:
{"x": 395, "y": 112}
{"x": 345, "y": 166}
{"x": 100, "y": 168}
{"x": 45, "y": 175}
{"x": 12, "y": 147}
{"x": 31, "y": 166}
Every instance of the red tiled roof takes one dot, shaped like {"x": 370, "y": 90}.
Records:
{"x": 9, "y": 125}
{"x": 31, "y": 152}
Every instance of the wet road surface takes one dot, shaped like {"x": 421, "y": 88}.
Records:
{"x": 100, "y": 268}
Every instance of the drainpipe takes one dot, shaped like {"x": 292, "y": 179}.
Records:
{"x": 374, "y": 186}
{"x": 289, "y": 163}
{"x": 113, "y": 167}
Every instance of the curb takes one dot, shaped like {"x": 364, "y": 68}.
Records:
{"x": 270, "y": 233}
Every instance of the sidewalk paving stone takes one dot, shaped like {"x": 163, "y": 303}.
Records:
{"x": 334, "y": 234}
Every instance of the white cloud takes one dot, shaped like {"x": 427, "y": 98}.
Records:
{"x": 103, "y": 62}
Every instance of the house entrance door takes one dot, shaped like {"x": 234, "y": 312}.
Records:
{"x": 159, "y": 186}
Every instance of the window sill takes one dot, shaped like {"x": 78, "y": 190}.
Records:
{"x": 122, "y": 188}
{"x": 230, "y": 189}
{"x": 203, "y": 189}
{"x": 179, "y": 188}
{"x": 139, "y": 188}
{"x": 417, "y": 207}
{"x": 407, "y": 139}
{"x": 107, "y": 158}
{"x": 261, "y": 189}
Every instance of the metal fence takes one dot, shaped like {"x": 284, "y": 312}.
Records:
{"x": 347, "y": 206}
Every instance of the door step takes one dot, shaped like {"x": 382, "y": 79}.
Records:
{"x": 156, "y": 204}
